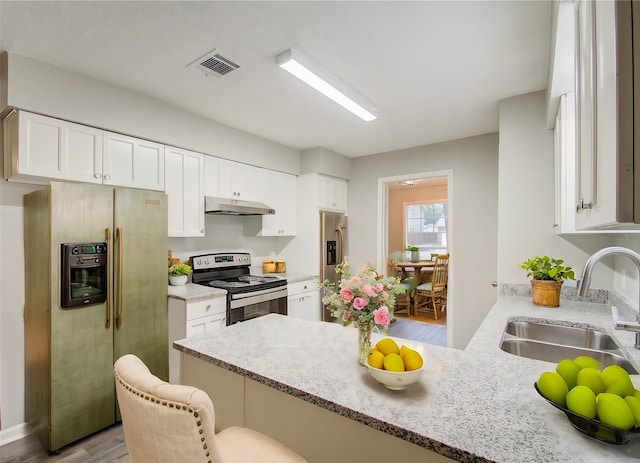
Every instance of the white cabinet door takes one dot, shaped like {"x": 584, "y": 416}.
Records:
{"x": 304, "y": 300}
{"x": 332, "y": 193}
{"x": 39, "y": 148}
{"x": 132, "y": 162}
{"x": 279, "y": 193}
{"x": 228, "y": 179}
{"x": 605, "y": 116}
{"x": 184, "y": 185}
{"x": 187, "y": 320}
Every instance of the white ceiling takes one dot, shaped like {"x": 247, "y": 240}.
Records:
{"x": 434, "y": 70}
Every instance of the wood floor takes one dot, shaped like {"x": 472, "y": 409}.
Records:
{"x": 105, "y": 446}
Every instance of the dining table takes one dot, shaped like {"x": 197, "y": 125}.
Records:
{"x": 402, "y": 268}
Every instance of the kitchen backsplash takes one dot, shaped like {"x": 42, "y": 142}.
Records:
{"x": 223, "y": 234}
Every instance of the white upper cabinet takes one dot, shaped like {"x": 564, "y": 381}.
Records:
{"x": 324, "y": 192}
{"x": 40, "y": 148}
{"x": 332, "y": 193}
{"x": 228, "y": 179}
{"x": 184, "y": 185}
{"x": 279, "y": 193}
{"x": 604, "y": 118}
{"x": 132, "y": 162}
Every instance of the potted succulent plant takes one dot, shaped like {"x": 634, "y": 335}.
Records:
{"x": 178, "y": 274}
{"x": 415, "y": 252}
{"x": 547, "y": 276}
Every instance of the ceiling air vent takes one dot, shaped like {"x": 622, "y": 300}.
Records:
{"x": 215, "y": 63}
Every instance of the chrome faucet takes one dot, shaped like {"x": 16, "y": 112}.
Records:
{"x": 585, "y": 281}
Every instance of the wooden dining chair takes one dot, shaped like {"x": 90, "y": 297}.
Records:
{"x": 404, "y": 301}
{"x": 429, "y": 296}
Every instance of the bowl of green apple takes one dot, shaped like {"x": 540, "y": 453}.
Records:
{"x": 602, "y": 403}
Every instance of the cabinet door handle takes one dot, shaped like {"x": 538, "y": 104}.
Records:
{"x": 97, "y": 175}
{"x": 107, "y": 176}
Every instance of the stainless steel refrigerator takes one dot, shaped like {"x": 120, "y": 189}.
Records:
{"x": 333, "y": 242}
{"x": 70, "y": 351}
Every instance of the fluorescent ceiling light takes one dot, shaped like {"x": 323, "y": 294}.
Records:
{"x": 305, "y": 69}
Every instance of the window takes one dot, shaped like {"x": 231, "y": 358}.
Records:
{"x": 426, "y": 227}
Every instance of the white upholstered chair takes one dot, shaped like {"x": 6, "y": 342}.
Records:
{"x": 172, "y": 423}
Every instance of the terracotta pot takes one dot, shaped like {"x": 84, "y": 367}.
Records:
{"x": 546, "y": 292}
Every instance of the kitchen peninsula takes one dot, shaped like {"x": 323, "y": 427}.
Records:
{"x": 300, "y": 382}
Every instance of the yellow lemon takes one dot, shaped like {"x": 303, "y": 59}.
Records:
{"x": 404, "y": 351}
{"x": 614, "y": 411}
{"x": 582, "y": 400}
{"x": 413, "y": 361}
{"x": 553, "y": 387}
{"x": 375, "y": 358}
{"x": 393, "y": 362}
{"x": 584, "y": 361}
{"x": 387, "y": 346}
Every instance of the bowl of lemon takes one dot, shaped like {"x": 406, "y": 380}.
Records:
{"x": 395, "y": 366}
{"x": 601, "y": 403}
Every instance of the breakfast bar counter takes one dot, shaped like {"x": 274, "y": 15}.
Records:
{"x": 300, "y": 382}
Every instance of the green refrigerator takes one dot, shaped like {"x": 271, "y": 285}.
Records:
{"x": 70, "y": 351}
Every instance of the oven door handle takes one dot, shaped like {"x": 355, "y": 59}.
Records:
{"x": 257, "y": 297}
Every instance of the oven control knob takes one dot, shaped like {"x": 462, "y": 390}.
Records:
{"x": 206, "y": 262}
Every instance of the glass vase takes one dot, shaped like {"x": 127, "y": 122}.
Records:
{"x": 364, "y": 340}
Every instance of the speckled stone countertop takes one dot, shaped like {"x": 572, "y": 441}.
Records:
{"x": 475, "y": 405}
{"x": 192, "y": 292}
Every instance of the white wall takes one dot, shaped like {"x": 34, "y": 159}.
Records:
{"x": 526, "y": 196}
{"x": 12, "y": 302}
{"x": 473, "y": 213}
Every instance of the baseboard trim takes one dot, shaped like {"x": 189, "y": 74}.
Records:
{"x": 14, "y": 433}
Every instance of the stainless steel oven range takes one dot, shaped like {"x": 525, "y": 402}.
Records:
{"x": 248, "y": 296}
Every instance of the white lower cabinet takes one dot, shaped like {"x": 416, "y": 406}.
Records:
{"x": 304, "y": 300}
{"x": 192, "y": 319}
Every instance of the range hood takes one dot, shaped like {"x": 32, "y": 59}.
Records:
{"x": 224, "y": 206}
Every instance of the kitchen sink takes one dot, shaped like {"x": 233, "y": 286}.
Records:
{"x": 566, "y": 335}
{"x": 552, "y": 343}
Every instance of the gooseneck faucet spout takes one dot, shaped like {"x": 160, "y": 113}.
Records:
{"x": 585, "y": 282}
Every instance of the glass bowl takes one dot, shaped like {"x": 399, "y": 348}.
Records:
{"x": 595, "y": 429}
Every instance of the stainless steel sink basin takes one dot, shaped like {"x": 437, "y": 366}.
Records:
{"x": 552, "y": 343}
{"x": 565, "y": 335}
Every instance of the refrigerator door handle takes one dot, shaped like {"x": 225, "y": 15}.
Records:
{"x": 341, "y": 243}
{"x": 107, "y": 236}
{"x": 119, "y": 278}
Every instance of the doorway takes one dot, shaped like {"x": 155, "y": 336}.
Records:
{"x": 394, "y": 195}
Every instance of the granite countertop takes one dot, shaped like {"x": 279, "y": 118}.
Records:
{"x": 192, "y": 292}
{"x": 474, "y": 405}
